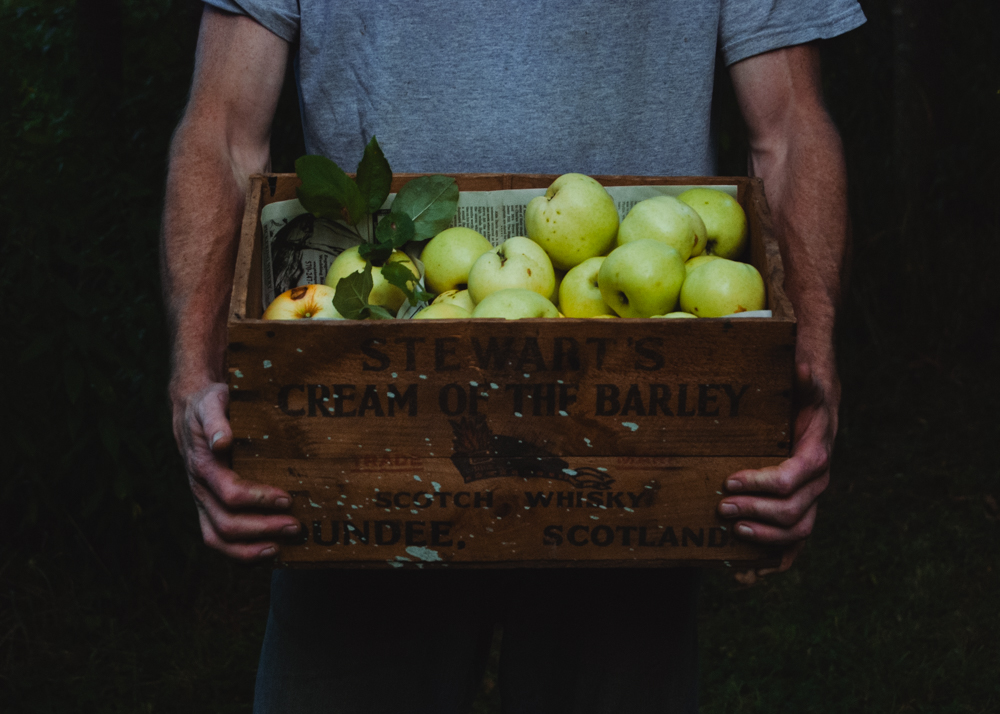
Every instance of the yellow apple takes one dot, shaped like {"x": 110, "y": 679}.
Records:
{"x": 579, "y": 295}
{"x": 642, "y": 278}
{"x": 665, "y": 219}
{"x": 449, "y": 257}
{"x": 676, "y": 314}
{"x": 383, "y": 292}
{"x": 724, "y": 219}
{"x": 304, "y": 303}
{"x": 698, "y": 260}
{"x": 576, "y": 219}
{"x": 456, "y": 297}
{"x": 518, "y": 262}
{"x": 442, "y": 311}
{"x": 560, "y": 274}
{"x": 514, "y": 304}
{"x": 723, "y": 287}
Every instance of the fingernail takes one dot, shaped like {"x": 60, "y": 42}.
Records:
{"x": 733, "y": 485}
{"x": 215, "y": 437}
{"x": 728, "y": 509}
{"x": 744, "y": 530}
{"x": 282, "y": 502}
{"x": 291, "y": 529}
{"x": 268, "y": 553}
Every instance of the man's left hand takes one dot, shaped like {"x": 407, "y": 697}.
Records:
{"x": 776, "y": 505}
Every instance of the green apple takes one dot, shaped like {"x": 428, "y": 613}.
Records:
{"x": 642, "y": 278}
{"x": 677, "y": 314}
{"x": 306, "y": 302}
{"x": 383, "y": 292}
{"x": 448, "y": 257}
{"x": 698, "y": 260}
{"x": 515, "y": 303}
{"x": 576, "y": 219}
{"x": 442, "y": 311}
{"x": 518, "y": 262}
{"x": 456, "y": 297}
{"x": 579, "y": 295}
{"x": 723, "y": 287}
{"x": 665, "y": 219}
{"x": 560, "y": 274}
{"x": 724, "y": 219}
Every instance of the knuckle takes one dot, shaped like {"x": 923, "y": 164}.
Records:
{"x": 228, "y": 527}
{"x": 789, "y": 514}
{"x": 802, "y": 529}
{"x": 211, "y": 538}
{"x": 784, "y": 483}
{"x": 819, "y": 458}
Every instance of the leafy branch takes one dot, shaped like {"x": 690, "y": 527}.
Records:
{"x": 422, "y": 208}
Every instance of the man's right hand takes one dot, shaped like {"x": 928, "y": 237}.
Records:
{"x": 240, "y": 518}
{"x": 222, "y": 139}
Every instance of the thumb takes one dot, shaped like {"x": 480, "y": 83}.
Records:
{"x": 212, "y": 414}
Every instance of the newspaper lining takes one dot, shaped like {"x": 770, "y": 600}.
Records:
{"x": 299, "y": 248}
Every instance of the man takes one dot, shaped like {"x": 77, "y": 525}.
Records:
{"x": 451, "y": 86}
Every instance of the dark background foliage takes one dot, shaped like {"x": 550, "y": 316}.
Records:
{"x": 109, "y": 603}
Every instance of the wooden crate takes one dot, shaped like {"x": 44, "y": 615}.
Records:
{"x": 493, "y": 443}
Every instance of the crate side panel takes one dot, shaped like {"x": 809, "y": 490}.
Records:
{"x": 390, "y": 510}
{"x": 571, "y": 387}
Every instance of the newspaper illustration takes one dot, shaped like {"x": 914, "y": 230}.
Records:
{"x": 299, "y": 248}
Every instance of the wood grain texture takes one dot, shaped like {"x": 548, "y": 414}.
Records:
{"x": 583, "y": 387}
{"x": 393, "y": 511}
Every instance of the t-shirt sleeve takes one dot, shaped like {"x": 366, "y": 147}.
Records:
{"x": 279, "y": 16}
{"x": 750, "y": 28}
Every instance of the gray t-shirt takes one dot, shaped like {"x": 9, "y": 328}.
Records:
{"x": 589, "y": 86}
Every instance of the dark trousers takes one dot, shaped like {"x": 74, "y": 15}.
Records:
{"x": 574, "y": 640}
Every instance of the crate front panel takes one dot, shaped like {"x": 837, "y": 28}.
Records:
{"x": 589, "y": 388}
{"x": 405, "y": 511}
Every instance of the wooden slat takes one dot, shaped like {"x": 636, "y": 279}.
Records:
{"x": 245, "y": 299}
{"x": 597, "y": 387}
{"x": 380, "y": 510}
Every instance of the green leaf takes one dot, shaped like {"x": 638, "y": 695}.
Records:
{"x": 396, "y": 228}
{"x": 327, "y": 192}
{"x": 376, "y": 253}
{"x": 393, "y": 231}
{"x": 380, "y": 313}
{"x": 430, "y": 201}
{"x": 351, "y": 296}
{"x": 396, "y": 273}
{"x": 374, "y": 176}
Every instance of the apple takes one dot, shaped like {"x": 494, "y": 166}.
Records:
{"x": 518, "y": 262}
{"x": 665, "y": 219}
{"x": 442, "y": 311}
{"x": 383, "y": 292}
{"x": 515, "y": 303}
{"x": 560, "y": 274}
{"x": 579, "y": 294}
{"x": 677, "y": 314}
{"x": 576, "y": 219}
{"x": 448, "y": 257}
{"x": 698, "y": 260}
{"x": 642, "y": 278}
{"x": 303, "y": 303}
{"x": 723, "y": 287}
{"x": 456, "y": 297}
{"x": 724, "y": 219}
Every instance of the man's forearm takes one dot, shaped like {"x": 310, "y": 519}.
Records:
{"x": 805, "y": 181}
{"x": 202, "y": 212}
